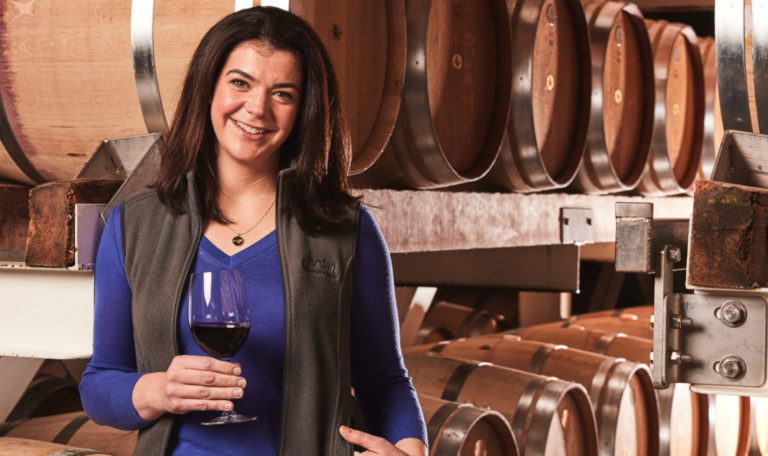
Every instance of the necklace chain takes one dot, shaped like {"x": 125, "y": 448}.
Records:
{"x": 238, "y": 239}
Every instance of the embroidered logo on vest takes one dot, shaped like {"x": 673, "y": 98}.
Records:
{"x": 318, "y": 266}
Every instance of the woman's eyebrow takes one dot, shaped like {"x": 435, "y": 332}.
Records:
{"x": 241, "y": 73}
{"x": 280, "y": 85}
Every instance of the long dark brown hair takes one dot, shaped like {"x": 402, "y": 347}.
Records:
{"x": 318, "y": 146}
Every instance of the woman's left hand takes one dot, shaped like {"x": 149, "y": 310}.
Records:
{"x": 378, "y": 446}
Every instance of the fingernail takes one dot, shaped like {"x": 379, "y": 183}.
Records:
{"x": 228, "y": 406}
{"x": 344, "y": 429}
{"x": 237, "y": 392}
{"x": 241, "y": 382}
{"x": 237, "y": 371}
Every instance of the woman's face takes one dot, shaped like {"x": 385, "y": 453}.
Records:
{"x": 255, "y": 103}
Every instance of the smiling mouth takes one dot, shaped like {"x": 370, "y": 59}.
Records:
{"x": 249, "y": 129}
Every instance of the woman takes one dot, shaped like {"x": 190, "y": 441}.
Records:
{"x": 253, "y": 177}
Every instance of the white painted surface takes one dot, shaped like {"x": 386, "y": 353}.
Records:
{"x": 284, "y": 4}
{"x": 46, "y": 313}
{"x": 243, "y": 4}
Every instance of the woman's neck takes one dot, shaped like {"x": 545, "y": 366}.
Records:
{"x": 239, "y": 182}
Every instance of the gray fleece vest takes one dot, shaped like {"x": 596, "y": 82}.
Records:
{"x": 318, "y": 275}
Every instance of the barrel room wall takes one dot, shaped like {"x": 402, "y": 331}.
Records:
{"x": 492, "y": 141}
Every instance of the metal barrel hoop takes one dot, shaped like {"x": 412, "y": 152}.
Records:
{"x": 760, "y": 61}
{"x": 27, "y": 173}
{"x": 145, "y": 71}
{"x": 708, "y": 151}
{"x": 463, "y": 418}
{"x": 731, "y": 66}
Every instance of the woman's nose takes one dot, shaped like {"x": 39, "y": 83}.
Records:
{"x": 257, "y": 104}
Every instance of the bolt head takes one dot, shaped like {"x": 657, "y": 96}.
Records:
{"x": 732, "y": 367}
{"x": 732, "y": 313}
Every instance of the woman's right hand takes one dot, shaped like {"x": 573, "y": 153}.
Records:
{"x": 190, "y": 383}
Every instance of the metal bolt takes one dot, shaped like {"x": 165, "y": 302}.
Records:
{"x": 733, "y": 313}
{"x": 653, "y": 320}
{"x": 731, "y": 367}
{"x": 676, "y": 358}
{"x": 674, "y": 254}
{"x": 676, "y": 321}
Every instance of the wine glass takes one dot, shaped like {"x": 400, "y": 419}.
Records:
{"x": 219, "y": 319}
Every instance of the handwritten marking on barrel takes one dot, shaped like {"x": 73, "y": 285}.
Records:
{"x": 551, "y": 14}
{"x": 619, "y": 36}
{"x": 25, "y": 9}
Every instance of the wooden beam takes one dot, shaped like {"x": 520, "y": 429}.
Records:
{"x": 51, "y": 241}
{"x": 728, "y": 247}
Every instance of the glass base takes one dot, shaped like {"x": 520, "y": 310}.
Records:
{"x": 229, "y": 417}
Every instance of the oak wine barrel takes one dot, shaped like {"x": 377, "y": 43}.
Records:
{"x": 463, "y": 429}
{"x": 463, "y": 321}
{"x": 729, "y": 424}
{"x": 502, "y": 302}
{"x": 682, "y": 421}
{"x": 728, "y": 417}
{"x": 367, "y": 45}
{"x": 621, "y": 392}
{"x": 456, "y": 96}
{"x": 629, "y": 324}
{"x": 678, "y": 129}
{"x": 551, "y": 82}
{"x": 47, "y": 395}
{"x": 548, "y": 416}
{"x": 69, "y": 80}
{"x": 431, "y": 333}
{"x": 621, "y": 119}
{"x": 12, "y": 446}
{"x": 74, "y": 429}
{"x": 758, "y": 439}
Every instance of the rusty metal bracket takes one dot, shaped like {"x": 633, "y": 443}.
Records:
{"x": 706, "y": 339}
{"x": 640, "y": 238}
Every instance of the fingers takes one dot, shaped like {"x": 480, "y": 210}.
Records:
{"x": 376, "y": 445}
{"x": 207, "y": 363}
{"x": 202, "y": 383}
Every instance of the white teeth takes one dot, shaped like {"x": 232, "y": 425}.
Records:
{"x": 251, "y": 130}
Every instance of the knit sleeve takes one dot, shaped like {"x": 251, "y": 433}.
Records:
{"x": 107, "y": 385}
{"x": 379, "y": 377}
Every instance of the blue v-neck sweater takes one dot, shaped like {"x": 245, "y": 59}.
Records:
{"x": 379, "y": 378}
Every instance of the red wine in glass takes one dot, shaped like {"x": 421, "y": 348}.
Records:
{"x": 219, "y": 319}
{"x": 219, "y": 340}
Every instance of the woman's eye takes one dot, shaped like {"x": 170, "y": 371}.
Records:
{"x": 284, "y": 95}
{"x": 239, "y": 83}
